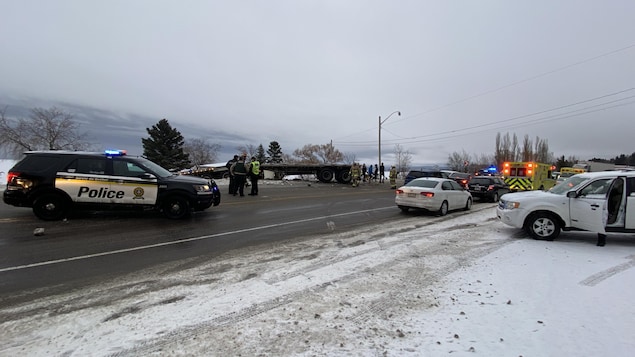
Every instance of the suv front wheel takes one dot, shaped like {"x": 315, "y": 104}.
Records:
{"x": 50, "y": 207}
{"x": 543, "y": 226}
{"x": 175, "y": 207}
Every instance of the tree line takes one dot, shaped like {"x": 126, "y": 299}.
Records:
{"x": 55, "y": 129}
{"x": 508, "y": 148}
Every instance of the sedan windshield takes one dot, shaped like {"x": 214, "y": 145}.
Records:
{"x": 422, "y": 183}
{"x": 567, "y": 185}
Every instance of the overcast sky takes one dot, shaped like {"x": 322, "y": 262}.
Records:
{"x": 300, "y": 72}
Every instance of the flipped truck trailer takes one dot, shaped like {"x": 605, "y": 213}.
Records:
{"x": 324, "y": 172}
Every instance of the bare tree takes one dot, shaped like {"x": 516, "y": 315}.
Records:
{"x": 44, "y": 129}
{"x": 541, "y": 152}
{"x": 329, "y": 154}
{"x": 247, "y": 149}
{"x": 200, "y": 151}
{"x": 514, "y": 149}
{"x": 349, "y": 158}
{"x": 314, "y": 154}
{"x": 459, "y": 161}
{"x": 404, "y": 159}
{"x": 306, "y": 154}
{"x": 527, "y": 153}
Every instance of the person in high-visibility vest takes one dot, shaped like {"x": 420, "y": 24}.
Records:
{"x": 393, "y": 177}
{"x": 355, "y": 172}
{"x": 254, "y": 171}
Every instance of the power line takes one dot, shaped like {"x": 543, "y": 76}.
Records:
{"x": 552, "y": 118}
{"x": 455, "y": 131}
{"x": 519, "y": 82}
{"x": 506, "y": 86}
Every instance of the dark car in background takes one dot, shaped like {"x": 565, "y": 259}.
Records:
{"x": 461, "y": 178}
{"x": 487, "y": 188}
{"x": 414, "y": 174}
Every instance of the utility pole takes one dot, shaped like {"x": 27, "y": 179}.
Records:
{"x": 379, "y": 141}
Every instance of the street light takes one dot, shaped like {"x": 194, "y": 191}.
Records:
{"x": 380, "y": 123}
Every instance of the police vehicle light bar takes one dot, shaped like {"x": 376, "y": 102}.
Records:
{"x": 115, "y": 152}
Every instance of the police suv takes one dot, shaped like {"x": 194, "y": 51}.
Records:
{"x": 594, "y": 201}
{"x": 52, "y": 182}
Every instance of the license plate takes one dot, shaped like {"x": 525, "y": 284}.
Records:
{"x": 412, "y": 195}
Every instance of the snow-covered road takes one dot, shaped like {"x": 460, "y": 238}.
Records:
{"x": 462, "y": 284}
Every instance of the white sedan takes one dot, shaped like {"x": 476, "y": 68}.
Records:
{"x": 433, "y": 194}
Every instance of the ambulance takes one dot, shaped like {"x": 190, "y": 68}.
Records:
{"x": 527, "y": 176}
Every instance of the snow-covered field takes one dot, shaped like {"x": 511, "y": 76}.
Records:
{"x": 462, "y": 285}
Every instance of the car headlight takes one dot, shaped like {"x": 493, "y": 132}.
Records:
{"x": 201, "y": 188}
{"x": 508, "y": 204}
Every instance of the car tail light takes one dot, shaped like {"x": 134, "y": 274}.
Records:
{"x": 14, "y": 179}
{"x": 427, "y": 194}
{"x": 491, "y": 187}
{"x": 12, "y": 175}
{"x": 399, "y": 192}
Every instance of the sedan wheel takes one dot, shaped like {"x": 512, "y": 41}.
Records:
{"x": 444, "y": 208}
{"x": 468, "y": 204}
{"x": 404, "y": 208}
{"x": 495, "y": 197}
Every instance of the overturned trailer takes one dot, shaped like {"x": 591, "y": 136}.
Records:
{"x": 324, "y": 172}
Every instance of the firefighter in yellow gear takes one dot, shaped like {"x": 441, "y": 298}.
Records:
{"x": 393, "y": 177}
{"x": 355, "y": 173}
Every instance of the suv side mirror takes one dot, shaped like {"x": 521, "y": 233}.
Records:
{"x": 572, "y": 194}
{"x": 147, "y": 176}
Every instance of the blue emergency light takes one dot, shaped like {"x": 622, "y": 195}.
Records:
{"x": 115, "y": 152}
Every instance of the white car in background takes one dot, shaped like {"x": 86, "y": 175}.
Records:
{"x": 595, "y": 201}
{"x": 433, "y": 194}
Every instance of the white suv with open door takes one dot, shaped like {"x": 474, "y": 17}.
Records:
{"x": 595, "y": 201}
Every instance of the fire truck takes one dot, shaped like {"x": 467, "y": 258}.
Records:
{"x": 526, "y": 176}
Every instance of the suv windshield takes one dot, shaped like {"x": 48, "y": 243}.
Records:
{"x": 567, "y": 185}
{"x": 154, "y": 168}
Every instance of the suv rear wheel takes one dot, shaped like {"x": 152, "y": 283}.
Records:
{"x": 50, "y": 207}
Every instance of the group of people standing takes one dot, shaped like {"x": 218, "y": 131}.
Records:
{"x": 239, "y": 169}
{"x": 361, "y": 172}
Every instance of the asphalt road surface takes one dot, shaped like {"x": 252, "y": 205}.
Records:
{"x": 89, "y": 247}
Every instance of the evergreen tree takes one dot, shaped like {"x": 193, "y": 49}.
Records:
{"x": 275, "y": 152}
{"x": 260, "y": 154}
{"x": 165, "y": 146}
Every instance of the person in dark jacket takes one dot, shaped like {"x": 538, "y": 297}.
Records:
{"x": 239, "y": 171}
{"x": 232, "y": 183}
{"x": 382, "y": 172}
